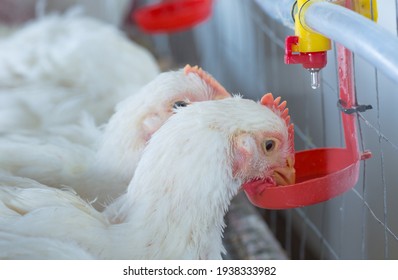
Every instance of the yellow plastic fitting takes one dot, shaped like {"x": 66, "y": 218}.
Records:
{"x": 309, "y": 41}
{"x": 367, "y": 8}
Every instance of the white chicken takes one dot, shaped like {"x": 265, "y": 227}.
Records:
{"x": 57, "y": 68}
{"x": 175, "y": 203}
{"x": 102, "y": 172}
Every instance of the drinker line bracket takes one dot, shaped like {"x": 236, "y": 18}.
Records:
{"x": 322, "y": 173}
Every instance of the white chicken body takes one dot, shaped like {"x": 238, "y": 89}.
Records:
{"x": 54, "y": 69}
{"x": 174, "y": 207}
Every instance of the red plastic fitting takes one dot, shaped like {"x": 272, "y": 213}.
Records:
{"x": 309, "y": 60}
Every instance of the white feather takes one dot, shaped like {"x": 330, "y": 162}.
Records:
{"x": 16, "y": 246}
{"x": 59, "y": 67}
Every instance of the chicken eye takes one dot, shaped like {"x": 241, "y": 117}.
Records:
{"x": 269, "y": 145}
{"x": 179, "y": 104}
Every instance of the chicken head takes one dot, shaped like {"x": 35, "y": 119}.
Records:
{"x": 190, "y": 84}
{"x": 270, "y": 155}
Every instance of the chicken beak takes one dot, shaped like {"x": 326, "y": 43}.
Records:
{"x": 285, "y": 175}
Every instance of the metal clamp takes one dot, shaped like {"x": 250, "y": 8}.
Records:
{"x": 359, "y": 108}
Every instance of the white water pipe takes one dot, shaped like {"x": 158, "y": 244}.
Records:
{"x": 352, "y": 30}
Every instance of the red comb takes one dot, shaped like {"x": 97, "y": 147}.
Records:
{"x": 207, "y": 79}
{"x": 280, "y": 109}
